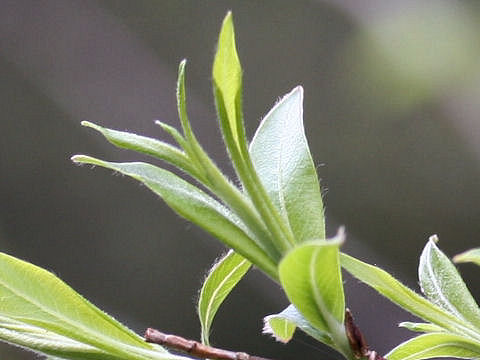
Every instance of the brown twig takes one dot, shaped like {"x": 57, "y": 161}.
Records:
{"x": 195, "y": 348}
{"x": 357, "y": 341}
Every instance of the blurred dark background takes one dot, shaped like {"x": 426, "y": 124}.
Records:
{"x": 391, "y": 113}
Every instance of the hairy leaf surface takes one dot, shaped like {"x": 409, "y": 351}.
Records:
{"x": 401, "y": 295}
{"x": 282, "y": 159}
{"x": 443, "y": 285}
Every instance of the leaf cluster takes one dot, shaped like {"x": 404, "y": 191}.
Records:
{"x": 273, "y": 220}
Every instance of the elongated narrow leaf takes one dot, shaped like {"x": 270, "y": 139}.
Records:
{"x": 47, "y": 342}
{"x": 472, "y": 256}
{"x": 221, "y": 280}
{"x": 401, "y": 295}
{"x": 194, "y": 205}
{"x": 280, "y": 153}
{"x": 421, "y": 327}
{"x": 436, "y": 345}
{"x": 32, "y": 297}
{"x": 282, "y": 326}
{"x": 443, "y": 285}
{"x": 146, "y": 145}
{"x": 311, "y": 276}
{"x": 227, "y": 82}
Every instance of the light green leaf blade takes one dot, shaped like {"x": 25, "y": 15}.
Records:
{"x": 311, "y": 276}
{"x": 472, "y": 256}
{"x": 443, "y": 285}
{"x": 220, "y": 281}
{"x": 435, "y": 345}
{"x": 33, "y": 296}
{"x": 406, "y": 298}
{"x": 280, "y": 154}
{"x": 195, "y": 206}
{"x": 148, "y": 146}
{"x": 421, "y": 327}
{"x": 227, "y": 81}
{"x": 48, "y": 343}
{"x": 282, "y": 326}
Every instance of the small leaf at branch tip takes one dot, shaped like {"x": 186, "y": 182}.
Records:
{"x": 434, "y": 238}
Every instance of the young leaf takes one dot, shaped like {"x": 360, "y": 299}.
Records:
{"x": 47, "y": 342}
{"x": 221, "y": 280}
{"x": 227, "y": 81}
{"x": 421, "y": 327}
{"x": 194, "y": 205}
{"x": 472, "y": 256}
{"x": 148, "y": 146}
{"x": 401, "y": 295}
{"x": 311, "y": 276}
{"x": 436, "y": 345}
{"x": 32, "y": 297}
{"x": 280, "y": 154}
{"x": 443, "y": 285}
{"x": 282, "y": 326}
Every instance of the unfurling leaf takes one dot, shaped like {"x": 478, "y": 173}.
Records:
{"x": 443, "y": 285}
{"x": 280, "y": 154}
{"x": 220, "y": 281}
{"x": 401, "y": 295}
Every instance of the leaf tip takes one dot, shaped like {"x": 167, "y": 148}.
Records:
{"x": 434, "y": 238}
{"x": 269, "y": 330}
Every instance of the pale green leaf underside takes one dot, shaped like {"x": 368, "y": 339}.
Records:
{"x": 311, "y": 277}
{"x": 281, "y": 157}
{"x": 221, "y": 280}
{"x": 443, "y": 285}
{"x": 194, "y": 205}
{"x": 472, "y": 256}
{"x": 435, "y": 345}
{"x": 401, "y": 295}
{"x": 148, "y": 146}
{"x": 282, "y": 326}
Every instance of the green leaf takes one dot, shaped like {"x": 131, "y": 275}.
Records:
{"x": 283, "y": 325}
{"x": 311, "y": 276}
{"x": 33, "y": 298}
{"x": 421, "y": 327}
{"x": 195, "y": 206}
{"x": 280, "y": 154}
{"x": 220, "y": 281}
{"x": 472, "y": 256}
{"x": 443, "y": 285}
{"x": 46, "y": 342}
{"x": 148, "y": 146}
{"x": 227, "y": 80}
{"x": 401, "y": 295}
{"x": 436, "y": 345}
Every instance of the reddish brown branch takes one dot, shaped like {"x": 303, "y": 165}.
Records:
{"x": 357, "y": 341}
{"x": 195, "y": 348}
